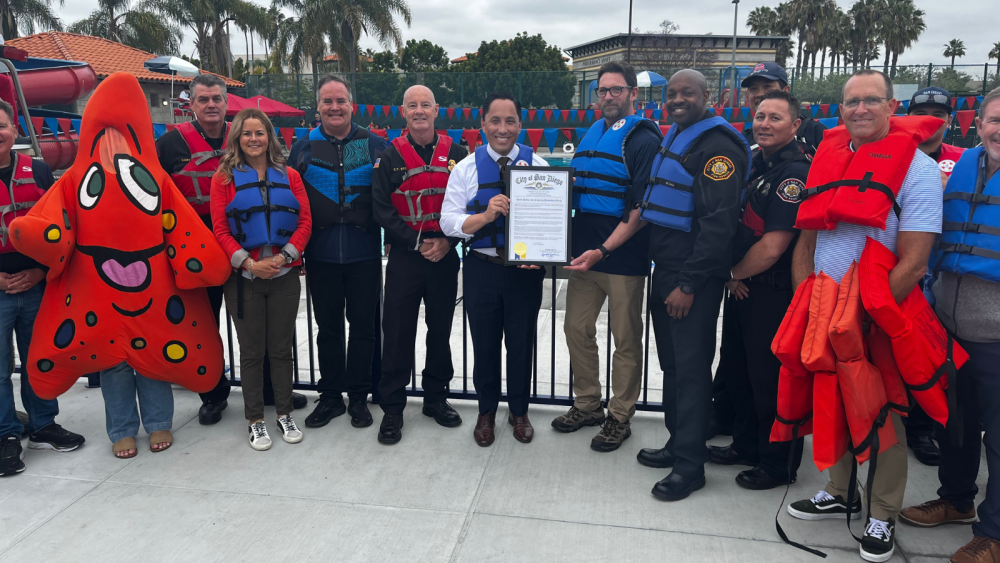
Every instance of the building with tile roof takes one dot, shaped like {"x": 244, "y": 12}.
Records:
{"x": 107, "y": 57}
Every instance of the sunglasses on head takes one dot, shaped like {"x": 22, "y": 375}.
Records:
{"x": 936, "y": 98}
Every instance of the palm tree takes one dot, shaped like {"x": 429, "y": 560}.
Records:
{"x": 135, "y": 25}
{"x": 900, "y": 26}
{"x": 375, "y": 18}
{"x": 302, "y": 37}
{"x": 954, "y": 48}
{"x": 995, "y": 54}
{"x": 865, "y": 15}
{"x": 762, "y": 20}
{"x": 209, "y": 20}
{"x": 21, "y": 17}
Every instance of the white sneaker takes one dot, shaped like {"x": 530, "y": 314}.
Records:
{"x": 289, "y": 431}
{"x": 259, "y": 440}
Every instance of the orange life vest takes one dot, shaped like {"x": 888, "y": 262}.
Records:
{"x": 793, "y": 416}
{"x": 860, "y": 187}
{"x": 195, "y": 179}
{"x": 419, "y": 198}
{"x": 924, "y": 353}
{"x": 17, "y": 198}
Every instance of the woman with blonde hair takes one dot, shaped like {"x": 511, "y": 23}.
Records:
{"x": 260, "y": 215}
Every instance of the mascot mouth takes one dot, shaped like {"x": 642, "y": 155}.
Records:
{"x": 128, "y": 272}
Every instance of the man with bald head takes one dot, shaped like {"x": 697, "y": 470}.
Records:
{"x": 693, "y": 201}
{"x": 407, "y": 190}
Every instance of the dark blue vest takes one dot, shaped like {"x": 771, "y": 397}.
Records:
{"x": 970, "y": 235}
{"x": 490, "y": 185}
{"x": 602, "y": 180}
{"x": 669, "y": 199}
{"x": 262, "y": 213}
{"x": 339, "y": 180}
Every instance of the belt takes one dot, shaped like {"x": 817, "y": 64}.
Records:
{"x": 487, "y": 257}
{"x": 777, "y": 279}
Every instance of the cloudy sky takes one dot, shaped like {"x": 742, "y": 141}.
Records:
{"x": 459, "y": 26}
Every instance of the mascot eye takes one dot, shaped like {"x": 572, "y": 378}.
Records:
{"x": 139, "y": 185}
{"x": 92, "y": 186}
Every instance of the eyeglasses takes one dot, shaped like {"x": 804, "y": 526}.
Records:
{"x": 855, "y": 102}
{"x": 936, "y": 98}
{"x": 615, "y": 91}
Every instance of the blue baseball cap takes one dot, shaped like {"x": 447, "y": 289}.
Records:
{"x": 769, "y": 71}
{"x": 932, "y": 96}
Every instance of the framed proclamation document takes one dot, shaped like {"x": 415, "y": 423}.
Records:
{"x": 538, "y": 223}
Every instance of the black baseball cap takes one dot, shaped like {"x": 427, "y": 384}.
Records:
{"x": 770, "y": 71}
{"x": 932, "y": 96}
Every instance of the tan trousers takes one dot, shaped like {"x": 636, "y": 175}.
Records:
{"x": 585, "y": 295}
{"x": 890, "y": 477}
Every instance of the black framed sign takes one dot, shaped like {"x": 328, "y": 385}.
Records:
{"x": 538, "y": 226}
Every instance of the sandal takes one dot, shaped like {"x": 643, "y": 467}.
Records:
{"x": 158, "y": 437}
{"x": 124, "y": 445}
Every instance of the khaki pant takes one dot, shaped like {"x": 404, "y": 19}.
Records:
{"x": 585, "y": 296}
{"x": 890, "y": 477}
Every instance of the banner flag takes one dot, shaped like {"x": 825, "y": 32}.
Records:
{"x": 729, "y": 113}
{"x": 738, "y": 126}
{"x": 362, "y": 108}
{"x": 568, "y": 133}
{"x": 524, "y": 115}
{"x": 159, "y": 129}
{"x": 451, "y": 113}
{"x": 580, "y": 132}
{"x": 580, "y": 114}
{"x": 534, "y": 137}
{"x": 520, "y": 136}
{"x": 531, "y": 115}
{"x": 965, "y": 118}
{"x": 286, "y": 134}
{"x": 657, "y": 113}
{"x": 548, "y": 115}
{"x": 825, "y": 109}
{"x": 833, "y": 109}
{"x": 664, "y": 129}
{"x": 475, "y": 113}
{"x": 301, "y": 132}
{"x": 815, "y": 109}
{"x": 970, "y": 102}
{"x": 65, "y": 125}
{"x": 393, "y": 133}
{"x": 829, "y": 122}
{"x": 565, "y": 115}
{"x": 745, "y": 112}
{"x": 471, "y": 137}
{"x": 465, "y": 113}
{"x": 456, "y": 135}
{"x": 441, "y": 112}
{"x": 590, "y": 115}
{"x": 550, "y": 138}
{"x": 395, "y": 111}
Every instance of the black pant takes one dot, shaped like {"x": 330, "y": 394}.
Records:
{"x": 221, "y": 391}
{"x": 357, "y": 287}
{"x": 410, "y": 278}
{"x": 686, "y": 348}
{"x": 918, "y": 424}
{"x": 751, "y": 375}
{"x": 722, "y": 402}
{"x": 502, "y": 303}
{"x": 979, "y": 397}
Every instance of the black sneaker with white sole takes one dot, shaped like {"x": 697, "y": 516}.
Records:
{"x": 823, "y": 506}
{"x": 55, "y": 437}
{"x": 877, "y": 544}
{"x": 10, "y": 455}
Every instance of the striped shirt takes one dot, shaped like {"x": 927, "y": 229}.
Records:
{"x": 922, "y": 210}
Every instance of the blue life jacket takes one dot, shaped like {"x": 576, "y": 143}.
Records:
{"x": 970, "y": 235}
{"x": 490, "y": 185}
{"x": 669, "y": 199}
{"x": 602, "y": 180}
{"x": 262, "y": 213}
{"x": 339, "y": 180}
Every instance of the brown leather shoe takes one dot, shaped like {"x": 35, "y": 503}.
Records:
{"x": 979, "y": 550}
{"x": 484, "y": 428}
{"x": 523, "y": 431}
{"x": 935, "y": 513}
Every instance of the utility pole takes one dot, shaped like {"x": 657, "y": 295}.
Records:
{"x": 734, "y": 90}
{"x": 628, "y": 50}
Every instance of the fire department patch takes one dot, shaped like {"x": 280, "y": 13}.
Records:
{"x": 719, "y": 168}
{"x": 451, "y": 165}
{"x": 377, "y": 160}
{"x": 790, "y": 190}
{"x": 946, "y": 166}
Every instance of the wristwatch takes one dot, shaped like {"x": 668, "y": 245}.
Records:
{"x": 288, "y": 257}
{"x": 604, "y": 252}
{"x": 686, "y": 289}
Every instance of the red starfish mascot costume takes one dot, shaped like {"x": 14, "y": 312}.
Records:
{"x": 127, "y": 257}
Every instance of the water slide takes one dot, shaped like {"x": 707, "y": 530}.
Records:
{"x": 53, "y": 81}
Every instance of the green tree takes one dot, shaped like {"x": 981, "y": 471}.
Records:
{"x": 302, "y": 37}
{"x": 864, "y": 37}
{"x": 900, "y": 26}
{"x": 762, "y": 20}
{"x": 995, "y": 54}
{"x": 135, "y": 24}
{"x": 209, "y": 20}
{"x": 423, "y": 56}
{"x": 351, "y": 18}
{"x": 514, "y": 65}
{"x": 954, "y": 81}
{"x": 239, "y": 69}
{"x": 22, "y": 17}
{"x": 384, "y": 61}
{"x": 954, "y": 48}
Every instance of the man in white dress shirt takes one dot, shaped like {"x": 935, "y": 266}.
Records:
{"x": 502, "y": 301}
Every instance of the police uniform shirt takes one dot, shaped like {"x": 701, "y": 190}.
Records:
{"x": 591, "y": 230}
{"x": 809, "y": 136}
{"x": 771, "y": 201}
{"x": 14, "y": 262}
{"x": 718, "y": 165}
{"x": 174, "y": 154}
{"x": 462, "y": 185}
{"x": 388, "y": 176}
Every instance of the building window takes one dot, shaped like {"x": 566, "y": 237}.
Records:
{"x": 154, "y": 100}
